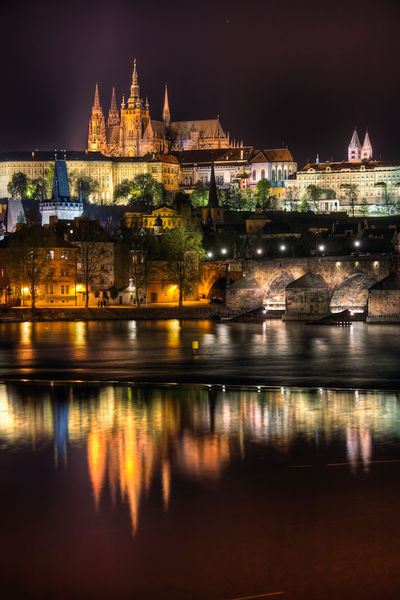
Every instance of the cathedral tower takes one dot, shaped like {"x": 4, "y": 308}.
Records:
{"x": 354, "y": 152}
{"x": 97, "y": 126}
{"x": 134, "y": 119}
{"x": 166, "y": 115}
{"x": 113, "y": 114}
{"x": 366, "y": 150}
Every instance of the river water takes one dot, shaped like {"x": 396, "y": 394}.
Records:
{"x": 272, "y": 353}
{"x": 226, "y": 489}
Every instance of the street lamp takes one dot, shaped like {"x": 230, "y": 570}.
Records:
{"x": 321, "y": 247}
{"x": 259, "y": 251}
{"x": 223, "y": 250}
{"x": 209, "y": 254}
{"x": 282, "y": 247}
{"x": 357, "y": 243}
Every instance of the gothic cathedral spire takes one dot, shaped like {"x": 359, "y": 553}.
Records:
{"x": 166, "y": 114}
{"x": 134, "y": 99}
{"x": 113, "y": 114}
{"x": 97, "y": 126}
{"x": 354, "y": 152}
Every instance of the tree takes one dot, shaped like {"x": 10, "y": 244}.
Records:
{"x": 122, "y": 191}
{"x": 263, "y": 193}
{"x": 183, "y": 251}
{"x": 292, "y": 194}
{"x": 48, "y": 180}
{"x": 84, "y": 184}
{"x": 304, "y": 205}
{"x": 233, "y": 199}
{"x": 139, "y": 245}
{"x": 364, "y": 207}
{"x": 199, "y": 196}
{"x": 143, "y": 188}
{"x": 18, "y": 185}
{"x": 29, "y": 259}
{"x": 34, "y": 189}
{"x": 351, "y": 194}
{"x": 89, "y": 239}
{"x": 314, "y": 194}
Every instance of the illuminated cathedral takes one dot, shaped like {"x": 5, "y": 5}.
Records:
{"x": 131, "y": 131}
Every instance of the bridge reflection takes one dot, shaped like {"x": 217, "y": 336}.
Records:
{"x": 141, "y": 437}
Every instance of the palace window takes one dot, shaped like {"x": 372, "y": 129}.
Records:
{"x": 262, "y": 174}
{"x": 254, "y": 175}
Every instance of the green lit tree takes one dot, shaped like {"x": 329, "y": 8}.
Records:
{"x": 183, "y": 252}
{"x": 18, "y": 186}
{"x": 263, "y": 193}
{"x": 199, "y": 196}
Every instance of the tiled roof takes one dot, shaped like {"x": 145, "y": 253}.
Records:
{"x": 206, "y": 128}
{"x": 206, "y": 157}
{"x": 273, "y": 155}
{"x": 353, "y": 166}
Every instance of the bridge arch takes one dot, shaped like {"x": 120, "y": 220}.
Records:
{"x": 352, "y": 293}
{"x": 274, "y": 297}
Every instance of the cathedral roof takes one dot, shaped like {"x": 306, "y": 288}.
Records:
{"x": 156, "y": 129}
{"x": 207, "y": 128}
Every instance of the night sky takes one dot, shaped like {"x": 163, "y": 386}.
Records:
{"x": 300, "y": 74}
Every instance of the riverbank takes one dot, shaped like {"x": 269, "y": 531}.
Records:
{"x": 195, "y": 311}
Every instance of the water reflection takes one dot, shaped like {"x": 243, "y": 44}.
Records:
{"x": 147, "y": 437}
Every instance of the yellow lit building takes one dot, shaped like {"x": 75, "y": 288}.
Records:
{"x": 106, "y": 172}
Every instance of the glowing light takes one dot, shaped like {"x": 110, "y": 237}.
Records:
{"x": 25, "y": 290}
{"x": 321, "y": 247}
{"x": 209, "y": 254}
{"x": 357, "y": 243}
{"x": 338, "y": 264}
{"x": 282, "y": 247}
{"x": 223, "y": 250}
{"x": 79, "y": 288}
{"x": 259, "y": 251}
{"x": 376, "y": 263}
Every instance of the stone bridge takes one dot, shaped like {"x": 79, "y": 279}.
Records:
{"x": 344, "y": 279}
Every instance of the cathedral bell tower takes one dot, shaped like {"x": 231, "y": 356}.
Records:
{"x": 354, "y": 152}
{"x": 134, "y": 119}
{"x": 97, "y": 126}
{"x": 366, "y": 150}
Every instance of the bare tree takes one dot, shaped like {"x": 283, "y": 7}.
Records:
{"x": 28, "y": 260}
{"x": 88, "y": 238}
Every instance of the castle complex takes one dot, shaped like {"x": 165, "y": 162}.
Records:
{"x": 132, "y": 132}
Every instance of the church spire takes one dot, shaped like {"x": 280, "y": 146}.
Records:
{"x": 166, "y": 114}
{"x": 97, "y": 125}
{"x": 96, "y": 103}
{"x": 212, "y": 190}
{"x": 354, "y": 151}
{"x": 134, "y": 99}
{"x": 113, "y": 115}
{"x": 366, "y": 150}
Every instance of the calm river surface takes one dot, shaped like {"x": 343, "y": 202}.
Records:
{"x": 266, "y": 467}
{"x": 273, "y": 353}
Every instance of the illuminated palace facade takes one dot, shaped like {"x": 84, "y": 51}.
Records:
{"x": 131, "y": 131}
{"x": 377, "y": 182}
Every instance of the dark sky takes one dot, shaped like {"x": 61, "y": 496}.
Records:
{"x": 300, "y": 74}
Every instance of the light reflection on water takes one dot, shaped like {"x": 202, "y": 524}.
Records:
{"x": 144, "y": 436}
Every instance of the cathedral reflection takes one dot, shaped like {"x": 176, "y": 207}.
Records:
{"x": 139, "y": 438}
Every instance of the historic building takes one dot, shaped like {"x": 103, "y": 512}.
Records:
{"x": 107, "y": 172}
{"x": 377, "y": 182}
{"x": 131, "y": 131}
{"x": 60, "y": 205}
